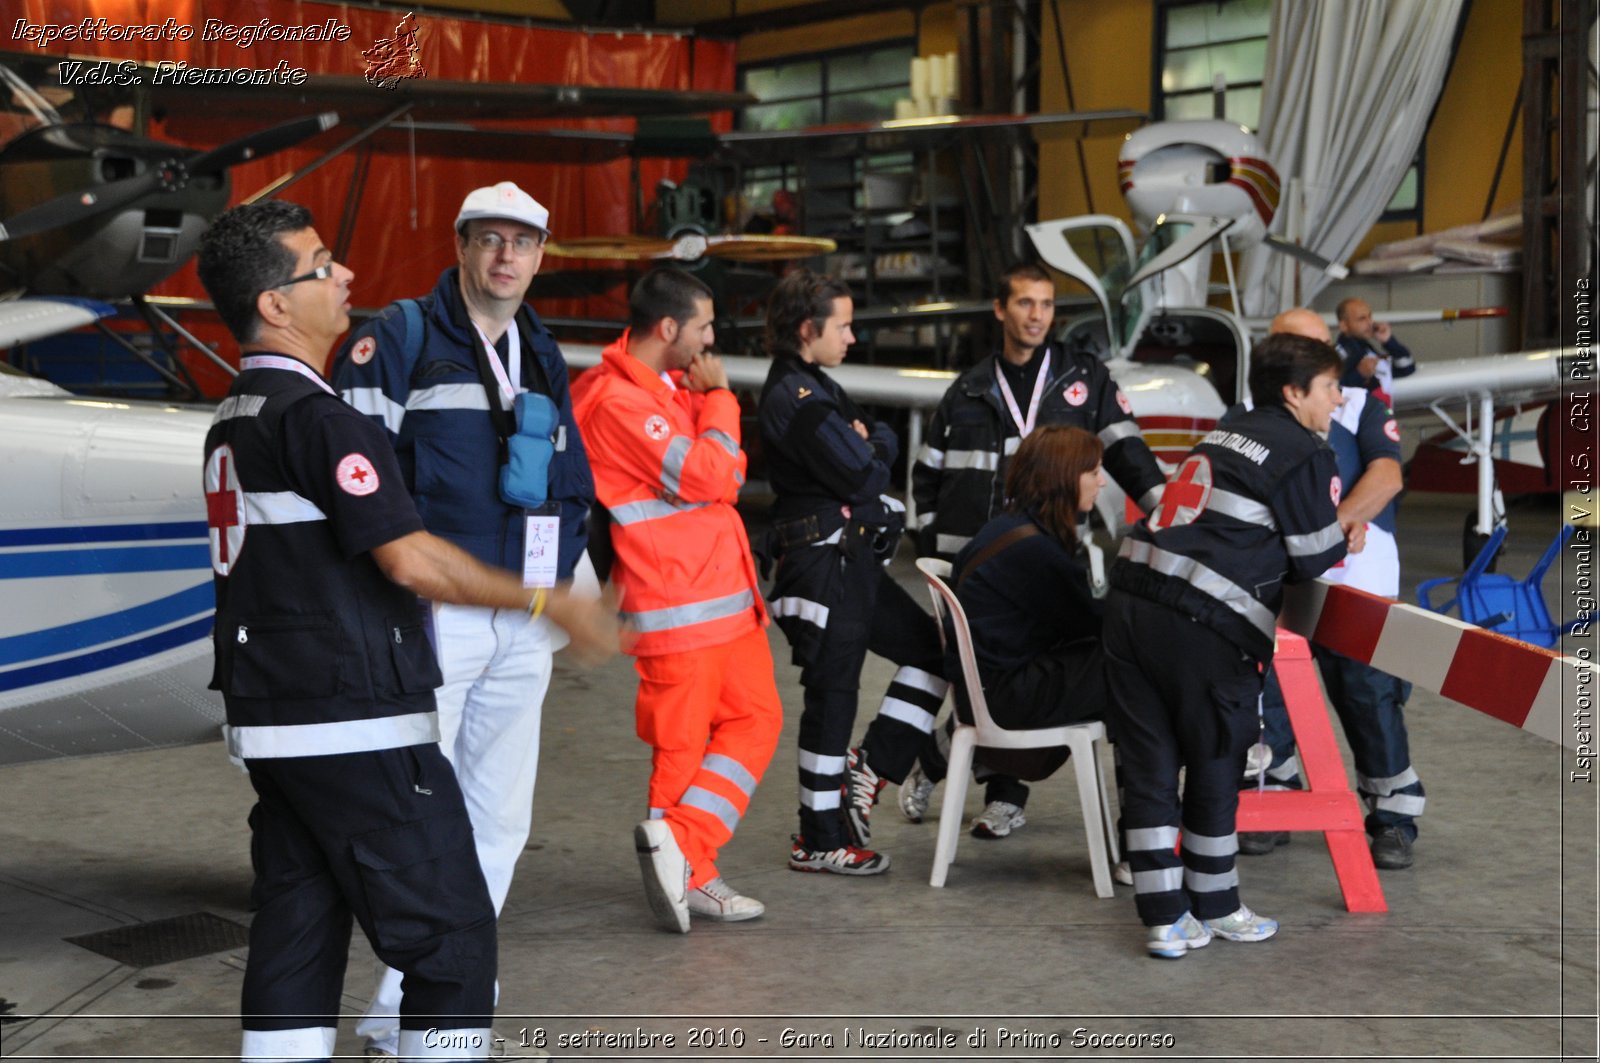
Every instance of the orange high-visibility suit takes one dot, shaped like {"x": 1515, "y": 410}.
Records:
{"x": 668, "y": 467}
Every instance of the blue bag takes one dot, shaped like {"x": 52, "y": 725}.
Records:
{"x": 525, "y": 477}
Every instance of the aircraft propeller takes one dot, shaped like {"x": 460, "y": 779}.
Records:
{"x": 693, "y": 246}
{"x": 168, "y": 176}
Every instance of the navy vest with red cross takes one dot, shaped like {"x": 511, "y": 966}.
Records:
{"x": 1252, "y": 506}
{"x": 317, "y": 652}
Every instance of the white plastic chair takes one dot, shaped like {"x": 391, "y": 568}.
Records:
{"x": 1084, "y": 739}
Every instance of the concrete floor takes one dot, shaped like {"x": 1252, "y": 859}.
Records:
{"x": 1488, "y": 950}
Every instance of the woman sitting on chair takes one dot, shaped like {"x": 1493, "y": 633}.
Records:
{"x": 1024, "y": 581}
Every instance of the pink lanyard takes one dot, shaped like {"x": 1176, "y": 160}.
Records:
{"x": 1024, "y": 425}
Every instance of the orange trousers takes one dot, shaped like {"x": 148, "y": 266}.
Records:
{"x": 712, "y": 717}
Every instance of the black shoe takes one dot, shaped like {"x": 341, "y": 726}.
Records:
{"x": 1261, "y": 842}
{"x": 1391, "y": 849}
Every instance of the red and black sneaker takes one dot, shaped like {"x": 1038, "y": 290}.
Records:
{"x": 845, "y": 860}
{"x": 861, "y": 789}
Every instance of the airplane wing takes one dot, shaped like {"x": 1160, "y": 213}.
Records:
{"x": 1527, "y": 376}
{"x": 904, "y": 134}
{"x": 35, "y": 318}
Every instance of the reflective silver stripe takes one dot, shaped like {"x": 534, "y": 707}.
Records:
{"x": 1199, "y": 882}
{"x": 374, "y": 402}
{"x": 925, "y": 518}
{"x": 718, "y": 436}
{"x": 449, "y": 397}
{"x": 1389, "y": 785}
{"x": 1153, "y": 839}
{"x": 1162, "y": 881}
{"x": 731, "y": 770}
{"x": 658, "y": 813}
{"x": 917, "y": 679}
{"x": 1241, "y": 508}
{"x": 1203, "y": 845}
{"x": 905, "y": 712}
{"x": 446, "y": 1043}
{"x": 817, "y": 764}
{"x": 1206, "y": 581}
{"x": 950, "y": 544}
{"x": 987, "y": 460}
{"x": 239, "y": 406}
{"x": 1404, "y": 804}
{"x": 323, "y": 739}
{"x": 1289, "y": 769}
{"x": 650, "y": 509}
{"x": 1313, "y": 543}
{"x": 694, "y": 613}
{"x": 1152, "y": 498}
{"x": 672, "y": 462}
{"x": 279, "y": 507}
{"x": 933, "y": 459}
{"x": 1116, "y": 433}
{"x": 819, "y": 801}
{"x": 711, "y": 804}
{"x": 308, "y": 1042}
{"x": 811, "y": 612}
{"x": 738, "y": 477}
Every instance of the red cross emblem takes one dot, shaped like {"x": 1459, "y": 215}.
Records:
{"x": 224, "y": 509}
{"x": 656, "y": 427}
{"x": 363, "y": 351}
{"x": 1335, "y": 489}
{"x": 1392, "y": 430}
{"x": 1077, "y": 393}
{"x": 1186, "y": 494}
{"x": 1122, "y": 401}
{"x": 356, "y": 475}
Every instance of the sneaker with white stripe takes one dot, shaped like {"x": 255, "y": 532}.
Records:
{"x": 845, "y": 860}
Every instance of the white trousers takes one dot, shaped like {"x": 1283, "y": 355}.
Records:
{"x": 496, "y": 670}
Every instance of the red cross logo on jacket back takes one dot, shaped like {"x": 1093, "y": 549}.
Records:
{"x": 224, "y": 509}
{"x": 1186, "y": 494}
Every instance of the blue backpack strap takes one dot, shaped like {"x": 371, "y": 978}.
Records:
{"x": 416, "y": 329}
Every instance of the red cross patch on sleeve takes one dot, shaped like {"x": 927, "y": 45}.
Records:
{"x": 363, "y": 351}
{"x": 355, "y": 475}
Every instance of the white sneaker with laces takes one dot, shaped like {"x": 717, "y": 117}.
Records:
{"x": 1243, "y": 925}
{"x": 998, "y": 819}
{"x": 719, "y": 901}
{"x": 915, "y": 795}
{"x": 1173, "y": 940}
{"x": 666, "y": 874}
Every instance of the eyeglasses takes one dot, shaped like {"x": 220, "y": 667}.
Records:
{"x": 524, "y": 245}
{"x": 321, "y": 273}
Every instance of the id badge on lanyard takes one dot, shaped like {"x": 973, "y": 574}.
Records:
{"x": 1025, "y": 424}
{"x": 541, "y": 544}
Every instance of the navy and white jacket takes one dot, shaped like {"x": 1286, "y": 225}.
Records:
{"x": 1253, "y": 506}
{"x": 959, "y": 477}
{"x": 436, "y": 410}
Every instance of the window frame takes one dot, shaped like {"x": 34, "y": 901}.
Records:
{"x": 827, "y": 57}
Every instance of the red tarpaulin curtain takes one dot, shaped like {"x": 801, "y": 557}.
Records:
{"x": 403, "y": 235}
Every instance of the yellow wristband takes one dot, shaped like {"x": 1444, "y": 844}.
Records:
{"x": 536, "y": 606}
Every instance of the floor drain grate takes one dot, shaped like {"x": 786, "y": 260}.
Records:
{"x": 166, "y": 940}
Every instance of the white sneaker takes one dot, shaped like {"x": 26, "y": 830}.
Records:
{"x": 1173, "y": 940}
{"x": 666, "y": 874}
{"x": 998, "y": 819}
{"x": 1123, "y": 873}
{"x": 1243, "y": 925}
{"x": 720, "y": 901}
{"x": 915, "y": 794}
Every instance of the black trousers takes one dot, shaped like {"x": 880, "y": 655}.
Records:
{"x": 874, "y": 613}
{"x": 1182, "y": 697}
{"x": 383, "y": 838}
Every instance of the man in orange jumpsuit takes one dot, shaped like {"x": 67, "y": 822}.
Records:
{"x": 662, "y": 430}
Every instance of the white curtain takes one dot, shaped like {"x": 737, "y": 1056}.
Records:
{"x": 1348, "y": 89}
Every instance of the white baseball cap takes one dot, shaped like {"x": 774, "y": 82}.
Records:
{"x": 504, "y": 200}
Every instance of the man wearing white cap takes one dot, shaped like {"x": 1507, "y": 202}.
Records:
{"x": 473, "y": 391}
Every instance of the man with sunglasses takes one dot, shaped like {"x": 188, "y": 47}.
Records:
{"x": 319, "y": 557}
{"x": 448, "y": 375}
